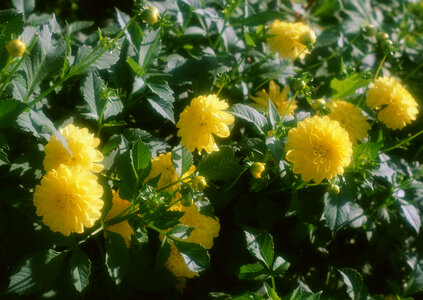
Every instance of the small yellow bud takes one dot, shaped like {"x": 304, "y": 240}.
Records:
{"x": 151, "y": 15}
{"x": 199, "y": 183}
{"x": 318, "y": 104}
{"x": 308, "y": 38}
{"x": 299, "y": 85}
{"x": 257, "y": 168}
{"x": 271, "y": 133}
{"x": 333, "y": 189}
{"x": 187, "y": 201}
{"x": 15, "y": 48}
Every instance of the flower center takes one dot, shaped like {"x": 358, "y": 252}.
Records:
{"x": 65, "y": 201}
{"x": 320, "y": 154}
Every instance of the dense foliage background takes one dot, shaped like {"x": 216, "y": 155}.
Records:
{"x": 363, "y": 242}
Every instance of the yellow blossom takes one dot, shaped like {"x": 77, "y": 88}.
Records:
{"x": 123, "y": 228}
{"x": 201, "y": 119}
{"x": 290, "y": 40}
{"x": 395, "y": 105}
{"x": 81, "y": 143}
{"x": 350, "y": 118}
{"x": 257, "y": 168}
{"x": 319, "y": 148}
{"x": 279, "y": 99}
{"x": 68, "y": 199}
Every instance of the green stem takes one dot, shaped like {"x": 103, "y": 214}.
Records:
{"x": 380, "y": 66}
{"x": 95, "y": 232}
{"x": 405, "y": 141}
{"x": 156, "y": 229}
{"x": 235, "y": 181}
{"x": 85, "y": 63}
{"x": 287, "y": 108}
{"x": 185, "y": 179}
{"x": 144, "y": 65}
{"x": 273, "y": 283}
{"x": 27, "y": 52}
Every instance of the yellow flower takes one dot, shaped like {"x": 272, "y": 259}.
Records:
{"x": 68, "y": 199}
{"x": 290, "y": 40}
{"x": 279, "y": 99}
{"x": 15, "y": 48}
{"x": 200, "y": 120}
{"x": 162, "y": 165}
{"x": 81, "y": 143}
{"x": 122, "y": 228}
{"x": 350, "y": 118}
{"x": 396, "y": 106}
{"x": 319, "y": 148}
{"x": 257, "y": 168}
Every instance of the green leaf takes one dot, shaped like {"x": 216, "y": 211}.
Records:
{"x": 253, "y": 272}
{"x": 80, "y": 267}
{"x": 91, "y": 88}
{"x": 9, "y": 110}
{"x": 11, "y": 24}
{"x": 148, "y": 49}
{"x": 181, "y": 160}
{"x": 411, "y": 215}
{"x": 347, "y": 87}
{"x": 274, "y": 116}
{"x": 117, "y": 257}
{"x": 164, "y": 219}
{"x": 162, "y": 89}
{"x": 249, "y": 40}
{"x": 36, "y": 274}
{"x": 259, "y": 18}
{"x": 220, "y": 165}
{"x": 134, "y": 66}
{"x": 134, "y": 33}
{"x": 163, "y": 253}
{"x": 78, "y": 26}
{"x": 163, "y": 107}
{"x": 260, "y": 245}
{"x": 105, "y": 61}
{"x": 24, "y": 7}
{"x": 195, "y": 256}
{"x": 250, "y": 115}
{"x": 301, "y": 294}
{"x": 126, "y": 172}
{"x": 3, "y": 158}
{"x": 355, "y": 286}
{"x": 279, "y": 266}
{"x": 180, "y": 231}
{"x": 415, "y": 282}
{"x": 140, "y": 157}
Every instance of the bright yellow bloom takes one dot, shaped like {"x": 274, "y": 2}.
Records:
{"x": 162, "y": 165}
{"x": 257, "y": 168}
{"x": 350, "y": 118}
{"x": 396, "y": 106}
{"x": 15, "y": 48}
{"x": 123, "y": 228}
{"x": 68, "y": 199}
{"x": 201, "y": 119}
{"x": 290, "y": 40}
{"x": 81, "y": 143}
{"x": 319, "y": 148}
{"x": 279, "y": 99}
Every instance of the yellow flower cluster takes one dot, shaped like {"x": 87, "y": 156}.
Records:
{"x": 201, "y": 119}
{"x": 350, "y": 118}
{"x": 123, "y": 228}
{"x": 69, "y": 196}
{"x": 395, "y": 105}
{"x": 279, "y": 99}
{"x": 290, "y": 40}
{"x": 319, "y": 148}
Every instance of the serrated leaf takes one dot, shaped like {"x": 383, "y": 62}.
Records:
{"x": 415, "y": 282}
{"x": 279, "y": 266}
{"x": 24, "y": 7}
{"x": 221, "y": 165}
{"x": 165, "y": 219}
{"x": 195, "y": 256}
{"x": 134, "y": 66}
{"x": 106, "y": 60}
{"x": 355, "y": 286}
{"x": 180, "y": 231}
{"x": 140, "y": 157}
{"x": 148, "y": 49}
{"x": 134, "y": 33}
{"x": 301, "y": 294}
{"x": 80, "y": 267}
{"x": 36, "y": 274}
{"x": 91, "y": 88}
{"x": 274, "y": 116}
{"x": 411, "y": 215}
{"x": 347, "y": 87}
{"x": 78, "y": 26}
{"x": 162, "y": 89}
{"x": 9, "y": 110}
{"x": 250, "y": 115}
{"x": 260, "y": 245}
{"x": 117, "y": 257}
{"x": 181, "y": 160}
{"x": 253, "y": 272}
{"x": 163, "y": 107}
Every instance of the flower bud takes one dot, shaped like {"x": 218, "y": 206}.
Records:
{"x": 308, "y": 38}
{"x": 151, "y": 15}
{"x": 299, "y": 85}
{"x": 15, "y": 48}
{"x": 187, "y": 201}
{"x": 333, "y": 189}
{"x": 387, "y": 46}
{"x": 369, "y": 30}
{"x": 199, "y": 183}
{"x": 318, "y": 104}
{"x": 257, "y": 168}
{"x": 381, "y": 36}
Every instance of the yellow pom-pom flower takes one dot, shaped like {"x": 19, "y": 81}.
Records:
{"x": 15, "y": 48}
{"x": 68, "y": 199}
{"x": 123, "y": 228}
{"x": 81, "y": 143}
{"x": 319, "y": 148}
{"x": 279, "y": 99}
{"x": 396, "y": 106}
{"x": 290, "y": 40}
{"x": 201, "y": 119}
{"x": 350, "y": 118}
